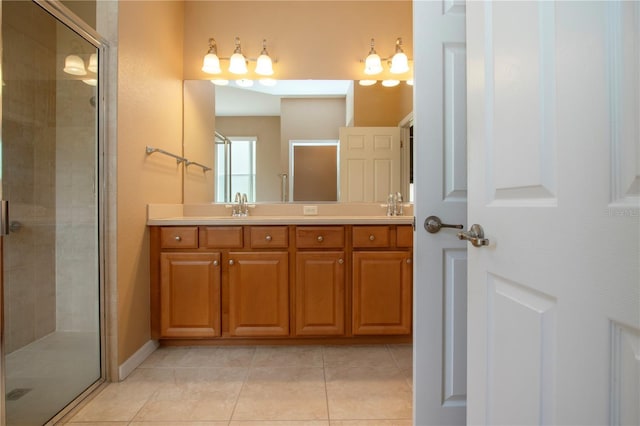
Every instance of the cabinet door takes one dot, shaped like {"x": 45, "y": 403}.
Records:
{"x": 382, "y": 292}
{"x": 320, "y": 293}
{"x": 190, "y": 294}
{"x": 259, "y": 293}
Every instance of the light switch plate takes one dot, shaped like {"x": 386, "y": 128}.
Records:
{"x": 310, "y": 210}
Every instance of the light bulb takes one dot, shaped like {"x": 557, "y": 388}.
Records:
{"x": 373, "y": 63}
{"x": 264, "y": 65}
{"x": 93, "y": 63}
{"x": 237, "y": 62}
{"x": 390, "y": 83}
{"x": 367, "y": 82}
{"x": 74, "y": 65}
{"x": 211, "y": 64}
{"x": 399, "y": 62}
{"x": 220, "y": 82}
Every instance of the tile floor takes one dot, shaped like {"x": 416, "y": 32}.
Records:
{"x": 261, "y": 386}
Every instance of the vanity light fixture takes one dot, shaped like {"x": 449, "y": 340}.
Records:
{"x": 367, "y": 82}
{"x": 220, "y": 82}
{"x": 399, "y": 63}
{"x": 237, "y": 61}
{"x": 390, "y": 83}
{"x": 373, "y": 63}
{"x": 211, "y": 62}
{"x": 74, "y": 65}
{"x": 264, "y": 65}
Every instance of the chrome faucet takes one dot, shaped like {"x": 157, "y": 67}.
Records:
{"x": 244, "y": 207}
{"x": 240, "y": 206}
{"x": 394, "y": 205}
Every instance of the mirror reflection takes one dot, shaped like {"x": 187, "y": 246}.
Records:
{"x": 305, "y": 140}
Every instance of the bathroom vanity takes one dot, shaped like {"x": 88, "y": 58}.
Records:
{"x": 281, "y": 277}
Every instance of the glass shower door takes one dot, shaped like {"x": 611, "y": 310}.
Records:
{"x": 49, "y": 169}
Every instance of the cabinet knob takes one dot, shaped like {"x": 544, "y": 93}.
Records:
{"x": 231, "y": 262}
{"x": 178, "y": 238}
{"x": 215, "y": 263}
{"x": 372, "y": 237}
{"x": 341, "y": 261}
{"x": 408, "y": 260}
{"x": 268, "y": 238}
{"x": 320, "y": 238}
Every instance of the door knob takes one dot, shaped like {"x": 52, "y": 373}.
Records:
{"x": 475, "y": 235}
{"x": 433, "y": 224}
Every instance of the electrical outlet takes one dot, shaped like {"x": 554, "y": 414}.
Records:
{"x": 310, "y": 210}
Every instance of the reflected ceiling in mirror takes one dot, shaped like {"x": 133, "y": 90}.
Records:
{"x": 260, "y": 100}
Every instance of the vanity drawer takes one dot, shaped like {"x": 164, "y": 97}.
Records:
{"x": 179, "y": 237}
{"x": 221, "y": 237}
{"x": 269, "y": 236}
{"x": 404, "y": 236}
{"x": 320, "y": 236}
{"x": 371, "y": 236}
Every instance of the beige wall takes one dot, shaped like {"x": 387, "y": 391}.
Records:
{"x": 379, "y": 106}
{"x": 149, "y": 112}
{"x": 310, "y": 39}
{"x": 267, "y": 129}
{"x": 328, "y": 116}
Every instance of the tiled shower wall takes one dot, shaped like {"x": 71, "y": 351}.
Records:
{"x": 28, "y": 174}
{"x": 48, "y": 175}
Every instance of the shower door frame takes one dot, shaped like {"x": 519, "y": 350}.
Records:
{"x": 65, "y": 16}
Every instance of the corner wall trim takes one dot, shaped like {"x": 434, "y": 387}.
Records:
{"x": 137, "y": 358}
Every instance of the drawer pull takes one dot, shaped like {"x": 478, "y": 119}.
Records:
{"x": 178, "y": 238}
{"x": 231, "y": 262}
{"x": 409, "y": 261}
{"x": 340, "y": 261}
{"x": 372, "y": 237}
{"x": 320, "y": 238}
{"x": 268, "y": 238}
{"x": 215, "y": 263}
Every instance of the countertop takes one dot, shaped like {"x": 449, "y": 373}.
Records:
{"x": 274, "y": 214}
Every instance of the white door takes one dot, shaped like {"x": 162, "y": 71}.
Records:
{"x": 554, "y": 164}
{"x": 440, "y": 173}
{"x": 369, "y": 163}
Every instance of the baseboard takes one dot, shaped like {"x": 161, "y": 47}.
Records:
{"x": 137, "y": 358}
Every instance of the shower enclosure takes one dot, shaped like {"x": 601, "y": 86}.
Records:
{"x": 51, "y": 251}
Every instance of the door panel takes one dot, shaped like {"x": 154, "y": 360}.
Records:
{"x": 50, "y": 175}
{"x": 440, "y": 156}
{"x": 369, "y": 163}
{"x": 553, "y": 300}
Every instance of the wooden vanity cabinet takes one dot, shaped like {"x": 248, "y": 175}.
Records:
{"x": 281, "y": 281}
{"x": 320, "y": 281}
{"x": 381, "y": 280}
{"x": 190, "y": 294}
{"x": 258, "y": 294}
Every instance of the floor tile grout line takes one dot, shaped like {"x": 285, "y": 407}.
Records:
{"x": 326, "y": 389}
{"x": 244, "y": 382}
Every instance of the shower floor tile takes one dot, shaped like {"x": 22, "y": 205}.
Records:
{"x": 44, "y": 376}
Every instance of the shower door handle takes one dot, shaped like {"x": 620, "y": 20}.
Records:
{"x": 4, "y": 217}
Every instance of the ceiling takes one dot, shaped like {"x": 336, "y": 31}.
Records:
{"x": 259, "y": 100}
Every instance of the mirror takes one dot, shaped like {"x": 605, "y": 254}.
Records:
{"x": 279, "y": 117}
